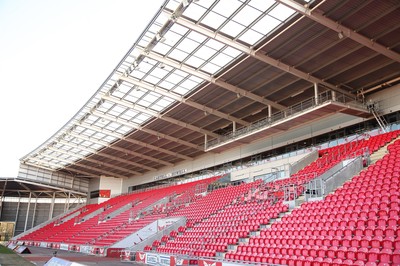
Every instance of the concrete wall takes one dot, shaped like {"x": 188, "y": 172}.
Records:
{"x": 389, "y": 100}
{"x": 266, "y": 168}
{"x": 105, "y": 182}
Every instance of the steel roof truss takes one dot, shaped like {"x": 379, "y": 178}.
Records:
{"x": 318, "y": 16}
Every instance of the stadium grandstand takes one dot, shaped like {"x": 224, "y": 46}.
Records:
{"x": 233, "y": 132}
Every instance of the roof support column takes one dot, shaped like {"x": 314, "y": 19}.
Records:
{"x": 27, "y": 211}
{"x": 34, "y": 213}
{"x": 52, "y": 206}
{"x": 316, "y": 93}
{"x": 269, "y": 113}
{"x": 234, "y": 126}
{"x": 66, "y": 205}
{"x": 16, "y": 214}
{"x": 205, "y": 141}
{"x": 2, "y": 198}
{"x": 333, "y": 95}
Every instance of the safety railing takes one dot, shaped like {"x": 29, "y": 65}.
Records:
{"x": 303, "y": 106}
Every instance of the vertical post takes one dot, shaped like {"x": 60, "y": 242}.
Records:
{"x": 2, "y": 198}
{"x": 269, "y": 113}
{"x": 34, "y": 213}
{"x": 66, "y": 205}
{"x": 234, "y": 126}
{"x": 27, "y": 211}
{"x": 333, "y": 95}
{"x": 316, "y": 93}
{"x": 16, "y": 215}
{"x": 205, "y": 141}
{"x": 52, "y": 206}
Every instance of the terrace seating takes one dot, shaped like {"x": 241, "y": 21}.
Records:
{"x": 104, "y": 230}
{"x": 212, "y": 229}
{"x": 356, "y": 225}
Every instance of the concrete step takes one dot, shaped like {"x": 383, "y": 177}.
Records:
{"x": 374, "y": 157}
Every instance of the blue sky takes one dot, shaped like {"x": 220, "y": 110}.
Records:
{"x": 54, "y": 55}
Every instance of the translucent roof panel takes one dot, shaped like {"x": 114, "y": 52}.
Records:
{"x": 140, "y": 87}
{"x": 247, "y": 22}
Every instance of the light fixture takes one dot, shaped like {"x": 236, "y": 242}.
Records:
{"x": 161, "y": 65}
{"x": 238, "y": 95}
{"x": 340, "y": 35}
{"x": 185, "y": 3}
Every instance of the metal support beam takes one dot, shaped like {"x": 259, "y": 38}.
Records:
{"x": 147, "y": 130}
{"x": 66, "y": 205}
{"x": 34, "y": 213}
{"x": 257, "y": 55}
{"x": 140, "y": 155}
{"x": 318, "y": 16}
{"x": 140, "y": 143}
{"x": 27, "y": 211}
{"x": 184, "y": 100}
{"x": 16, "y": 214}
{"x": 51, "y": 211}
{"x": 316, "y": 93}
{"x": 81, "y": 160}
{"x": 160, "y": 116}
{"x": 2, "y": 198}
{"x": 269, "y": 112}
{"x": 210, "y": 79}
{"x": 110, "y": 156}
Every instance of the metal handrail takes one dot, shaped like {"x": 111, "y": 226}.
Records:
{"x": 283, "y": 114}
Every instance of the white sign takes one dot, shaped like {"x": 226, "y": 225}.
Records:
{"x": 64, "y": 246}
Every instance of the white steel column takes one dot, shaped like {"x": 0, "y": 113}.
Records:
{"x": 16, "y": 214}
{"x": 269, "y": 113}
{"x": 34, "y": 212}
{"x": 66, "y": 205}
{"x": 52, "y": 206}
{"x": 316, "y": 93}
{"x": 27, "y": 211}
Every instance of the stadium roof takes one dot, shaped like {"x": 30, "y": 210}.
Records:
{"x": 204, "y": 69}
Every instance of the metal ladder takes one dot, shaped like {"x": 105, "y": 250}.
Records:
{"x": 373, "y": 107}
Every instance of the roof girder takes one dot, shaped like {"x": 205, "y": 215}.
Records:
{"x": 87, "y": 158}
{"x": 80, "y": 165}
{"x": 121, "y": 149}
{"x": 318, "y": 16}
{"x": 184, "y": 100}
{"x": 257, "y": 55}
{"x": 213, "y": 80}
{"x": 160, "y": 116}
{"x": 150, "y": 146}
{"x": 136, "y": 142}
{"x": 332, "y": 44}
{"x": 150, "y": 131}
{"x": 110, "y": 156}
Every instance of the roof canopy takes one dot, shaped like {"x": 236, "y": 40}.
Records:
{"x": 208, "y": 67}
